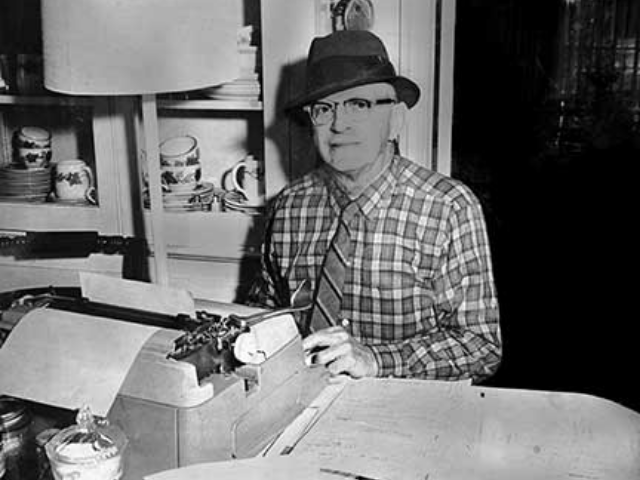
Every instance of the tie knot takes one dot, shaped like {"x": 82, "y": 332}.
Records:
{"x": 348, "y": 212}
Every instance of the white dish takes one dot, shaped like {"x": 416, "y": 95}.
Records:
{"x": 242, "y": 206}
{"x": 202, "y": 189}
{"x": 194, "y": 200}
{"x": 71, "y": 202}
{"x": 27, "y": 198}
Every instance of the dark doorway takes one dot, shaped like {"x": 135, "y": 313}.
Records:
{"x": 557, "y": 196}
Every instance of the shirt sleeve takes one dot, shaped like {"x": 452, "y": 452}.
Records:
{"x": 268, "y": 289}
{"x": 466, "y": 343}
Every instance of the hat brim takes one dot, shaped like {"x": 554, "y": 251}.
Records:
{"x": 406, "y": 90}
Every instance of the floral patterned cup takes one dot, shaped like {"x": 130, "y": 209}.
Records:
{"x": 33, "y": 147}
{"x": 180, "y": 163}
{"x": 34, "y": 157}
{"x": 246, "y": 177}
{"x": 74, "y": 182}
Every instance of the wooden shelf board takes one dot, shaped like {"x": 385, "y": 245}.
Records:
{"x": 44, "y": 100}
{"x": 48, "y": 216}
{"x": 252, "y": 105}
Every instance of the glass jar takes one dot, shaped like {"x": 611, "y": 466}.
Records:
{"x": 44, "y": 467}
{"x": 2, "y": 467}
{"x": 90, "y": 450}
{"x": 18, "y": 444}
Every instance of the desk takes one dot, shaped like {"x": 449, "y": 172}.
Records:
{"x": 414, "y": 429}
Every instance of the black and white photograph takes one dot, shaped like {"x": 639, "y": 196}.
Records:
{"x": 319, "y": 239}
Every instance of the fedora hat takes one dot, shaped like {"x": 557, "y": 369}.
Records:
{"x": 350, "y": 58}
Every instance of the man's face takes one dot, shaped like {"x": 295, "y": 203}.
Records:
{"x": 350, "y": 143}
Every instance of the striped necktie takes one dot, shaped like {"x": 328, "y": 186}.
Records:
{"x": 328, "y": 295}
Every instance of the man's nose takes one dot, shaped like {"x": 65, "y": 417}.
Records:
{"x": 340, "y": 118}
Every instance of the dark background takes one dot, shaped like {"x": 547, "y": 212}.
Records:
{"x": 560, "y": 222}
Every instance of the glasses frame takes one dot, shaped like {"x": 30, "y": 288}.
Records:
{"x": 347, "y": 106}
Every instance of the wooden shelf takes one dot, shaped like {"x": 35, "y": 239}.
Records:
{"x": 49, "y": 216}
{"x": 240, "y": 105}
{"x": 47, "y": 101}
{"x": 77, "y": 101}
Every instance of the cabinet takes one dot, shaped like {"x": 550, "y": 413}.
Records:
{"x": 215, "y": 253}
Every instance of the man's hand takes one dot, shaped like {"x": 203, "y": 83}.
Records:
{"x": 340, "y": 353}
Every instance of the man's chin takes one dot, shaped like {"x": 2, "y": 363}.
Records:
{"x": 346, "y": 166}
{"x": 344, "y": 161}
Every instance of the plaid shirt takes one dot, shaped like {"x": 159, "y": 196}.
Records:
{"x": 419, "y": 290}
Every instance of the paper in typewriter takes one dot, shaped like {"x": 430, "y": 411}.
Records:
{"x": 138, "y": 295}
{"x": 69, "y": 359}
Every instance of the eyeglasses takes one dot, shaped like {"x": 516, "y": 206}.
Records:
{"x": 354, "y": 109}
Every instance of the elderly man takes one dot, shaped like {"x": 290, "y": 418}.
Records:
{"x": 397, "y": 255}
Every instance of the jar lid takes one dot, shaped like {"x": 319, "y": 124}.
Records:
{"x": 88, "y": 441}
{"x": 36, "y": 133}
{"x": 176, "y": 146}
{"x": 12, "y": 411}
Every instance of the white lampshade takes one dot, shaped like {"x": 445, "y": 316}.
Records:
{"x": 95, "y": 47}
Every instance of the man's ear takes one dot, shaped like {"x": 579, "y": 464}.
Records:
{"x": 398, "y": 119}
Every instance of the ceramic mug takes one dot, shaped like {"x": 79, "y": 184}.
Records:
{"x": 180, "y": 163}
{"x": 246, "y": 178}
{"x": 32, "y": 158}
{"x": 74, "y": 181}
{"x": 247, "y": 61}
{"x": 33, "y": 147}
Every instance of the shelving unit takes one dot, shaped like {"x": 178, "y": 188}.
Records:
{"x": 213, "y": 254}
{"x": 91, "y": 142}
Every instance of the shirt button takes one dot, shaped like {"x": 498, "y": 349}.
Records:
{"x": 345, "y": 323}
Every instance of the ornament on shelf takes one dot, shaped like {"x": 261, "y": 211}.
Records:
{"x": 352, "y": 15}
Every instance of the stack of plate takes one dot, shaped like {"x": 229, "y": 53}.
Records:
{"x": 241, "y": 89}
{"x": 195, "y": 200}
{"x": 236, "y": 202}
{"x": 25, "y": 185}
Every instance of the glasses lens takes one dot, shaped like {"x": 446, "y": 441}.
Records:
{"x": 355, "y": 109}
{"x": 321, "y": 113}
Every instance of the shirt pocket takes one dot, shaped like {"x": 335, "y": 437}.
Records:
{"x": 391, "y": 271}
{"x": 403, "y": 277}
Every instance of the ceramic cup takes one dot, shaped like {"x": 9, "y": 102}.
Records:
{"x": 32, "y": 158}
{"x": 33, "y": 147}
{"x": 180, "y": 163}
{"x": 247, "y": 55}
{"x": 74, "y": 182}
{"x": 246, "y": 178}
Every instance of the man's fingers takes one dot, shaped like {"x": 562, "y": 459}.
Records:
{"x": 332, "y": 353}
{"x": 325, "y": 338}
{"x": 339, "y": 352}
{"x": 342, "y": 364}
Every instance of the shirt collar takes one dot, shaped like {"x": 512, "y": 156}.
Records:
{"x": 374, "y": 195}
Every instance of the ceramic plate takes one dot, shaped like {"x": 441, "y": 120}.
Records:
{"x": 71, "y": 202}
{"x": 25, "y": 198}
{"x": 195, "y": 200}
